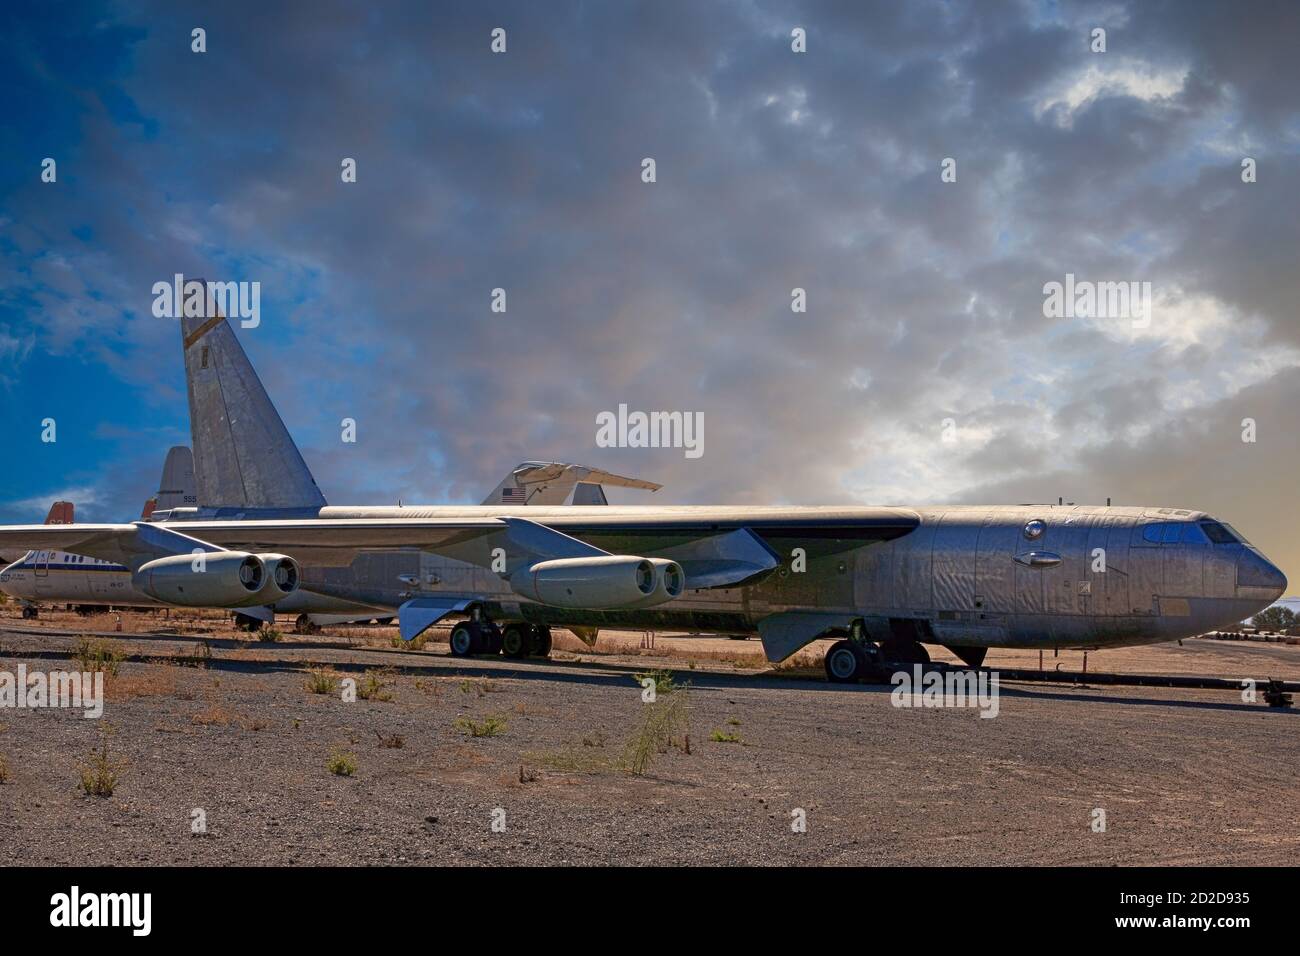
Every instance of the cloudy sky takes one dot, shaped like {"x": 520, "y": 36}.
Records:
{"x": 775, "y": 170}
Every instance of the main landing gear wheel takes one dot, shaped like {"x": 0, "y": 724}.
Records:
{"x": 475, "y": 637}
{"x": 515, "y": 640}
{"x": 302, "y": 624}
{"x": 905, "y": 652}
{"x": 526, "y": 640}
{"x": 248, "y": 623}
{"x": 29, "y": 613}
{"x": 540, "y": 645}
{"x": 463, "y": 639}
{"x": 846, "y": 662}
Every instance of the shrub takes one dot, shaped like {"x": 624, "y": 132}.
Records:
{"x": 342, "y": 764}
{"x": 95, "y": 656}
{"x": 322, "y": 680}
{"x": 493, "y": 725}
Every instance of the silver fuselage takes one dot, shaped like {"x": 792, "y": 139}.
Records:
{"x": 961, "y": 576}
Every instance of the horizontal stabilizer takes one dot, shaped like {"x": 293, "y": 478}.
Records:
{"x": 550, "y": 482}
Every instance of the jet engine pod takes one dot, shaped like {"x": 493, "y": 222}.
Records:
{"x": 670, "y": 582}
{"x": 281, "y": 577}
{"x": 207, "y": 579}
{"x": 605, "y": 582}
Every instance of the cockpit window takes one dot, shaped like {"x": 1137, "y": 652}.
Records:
{"x": 1175, "y": 532}
{"x": 1219, "y": 533}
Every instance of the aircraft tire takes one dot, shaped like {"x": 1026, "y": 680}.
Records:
{"x": 463, "y": 639}
{"x": 516, "y": 640}
{"x": 487, "y": 639}
{"x": 910, "y": 652}
{"x": 540, "y": 645}
{"x": 844, "y": 663}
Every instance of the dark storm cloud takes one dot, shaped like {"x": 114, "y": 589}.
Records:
{"x": 775, "y": 171}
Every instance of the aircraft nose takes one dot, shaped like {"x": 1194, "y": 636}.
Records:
{"x": 1258, "y": 573}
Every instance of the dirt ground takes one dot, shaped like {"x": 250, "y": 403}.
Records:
{"x": 203, "y": 723}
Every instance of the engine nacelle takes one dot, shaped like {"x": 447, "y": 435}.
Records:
{"x": 670, "y": 582}
{"x": 217, "y": 579}
{"x": 605, "y": 582}
{"x": 281, "y": 577}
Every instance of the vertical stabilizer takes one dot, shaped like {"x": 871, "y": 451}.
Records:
{"x": 243, "y": 454}
{"x": 589, "y": 493}
{"x": 177, "y": 488}
{"x": 61, "y": 512}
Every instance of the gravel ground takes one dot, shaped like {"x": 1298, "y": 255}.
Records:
{"x": 1183, "y": 776}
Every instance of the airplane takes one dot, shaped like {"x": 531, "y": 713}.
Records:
{"x": 884, "y": 582}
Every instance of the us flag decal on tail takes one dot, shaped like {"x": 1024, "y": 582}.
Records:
{"x": 514, "y": 496}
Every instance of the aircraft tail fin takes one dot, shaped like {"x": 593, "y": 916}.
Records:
{"x": 243, "y": 454}
{"x": 177, "y": 488}
{"x": 61, "y": 512}
{"x": 549, "y": 483}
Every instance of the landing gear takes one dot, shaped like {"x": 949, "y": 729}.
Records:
{"x": 303, "y": 624}
{"x": 246, "y": 622}
{"x": 904, "y": 652}
{"x": 29, "y": 613}
{"x": 541, "y": 642}
{"x": 848, "y": 661}
{"x": 475, "y": 637}
{"x": 515, "y": 640}
{"x": 463, "y": 638}
{"x": 521, "y": 639}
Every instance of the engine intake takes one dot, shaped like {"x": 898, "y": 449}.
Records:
{"x": 281, "y": 577}
{"x": 605, "y": 582}
{"x": 670, "y": 582}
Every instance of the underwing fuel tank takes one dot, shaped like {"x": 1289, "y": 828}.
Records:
{"x": 603, "y": 582}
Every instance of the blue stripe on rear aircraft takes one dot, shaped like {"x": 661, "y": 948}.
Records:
{"x": 71, "y": 567}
